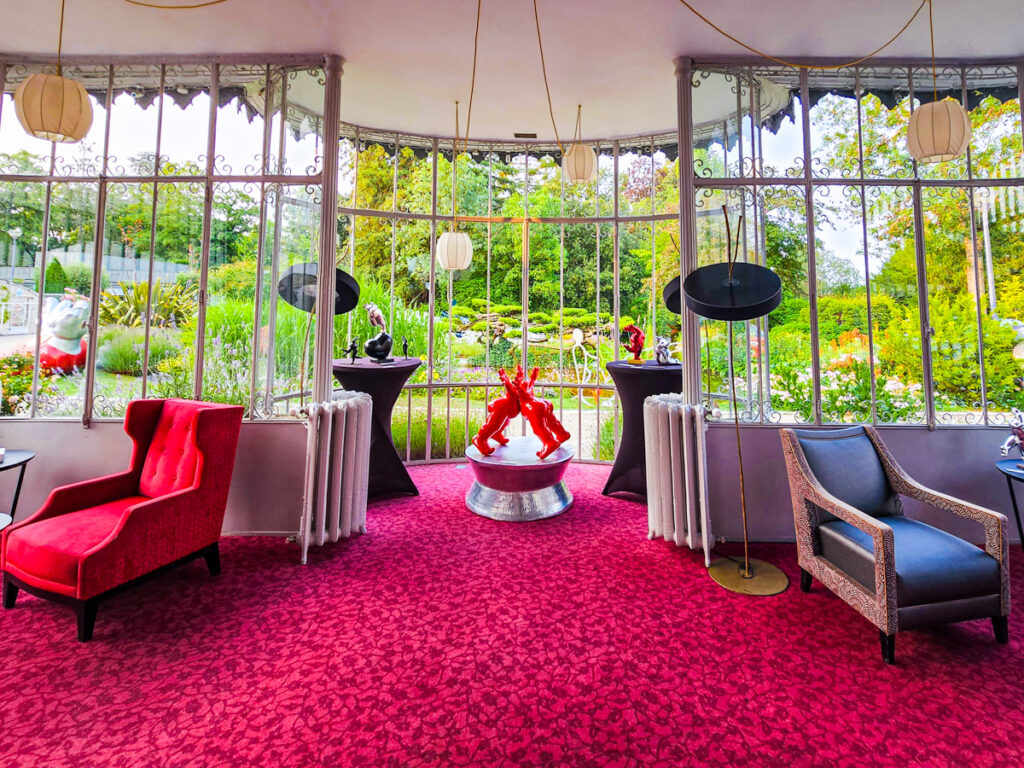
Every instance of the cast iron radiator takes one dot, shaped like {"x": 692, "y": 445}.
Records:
{"x": 677, "y": 475}
{"x": 337, "y": 469}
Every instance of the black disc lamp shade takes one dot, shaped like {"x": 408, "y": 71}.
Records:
{"x": 297, "y": 286}
{"x": 752, "y": 291}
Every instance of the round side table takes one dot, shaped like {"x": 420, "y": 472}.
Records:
{"x": 11, "y": 460}
{"x": 1009, "y": 468}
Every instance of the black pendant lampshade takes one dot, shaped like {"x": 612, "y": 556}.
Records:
{"x": 751, "y": 291}
{"x": 297, "y": 286}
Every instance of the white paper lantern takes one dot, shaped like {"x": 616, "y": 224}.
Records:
{"x": 938, "y": 131}
{"x": 54, "y": 108}
{"x": 579, "y": 163}
{"x": 454, "y": 250}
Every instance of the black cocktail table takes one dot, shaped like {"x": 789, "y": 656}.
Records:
{"x": 1009, "y": 468}
{"x": 634, "y": 384}
{"x": 14, "y": 459}
{"x": 383, "y": 383}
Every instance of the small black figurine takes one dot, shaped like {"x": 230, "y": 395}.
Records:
{"x": 353, "y": 350}
{"x": 405, "y": 348}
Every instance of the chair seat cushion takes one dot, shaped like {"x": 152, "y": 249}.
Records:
{"x": 931, "y": 565}
{"x": 51, "y": 549}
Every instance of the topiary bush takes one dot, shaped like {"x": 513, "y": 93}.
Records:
{"x": 56, "y": 279}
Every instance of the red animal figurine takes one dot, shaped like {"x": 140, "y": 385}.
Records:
{"x": 635, "y": 345}
{"x": 519, "y": 398}
{"x": 501, "y": 409}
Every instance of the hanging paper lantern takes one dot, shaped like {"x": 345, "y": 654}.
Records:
{"x": 579, "y": 163}
{"x": 938, "y": 131}
{"x": 54, "y": 108}
{"x": 454, "y": 250}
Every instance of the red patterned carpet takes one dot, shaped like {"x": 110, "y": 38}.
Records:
{"x": 441, "y": 638}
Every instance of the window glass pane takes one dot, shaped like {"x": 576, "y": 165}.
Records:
{"x": 239, "y": 133}
{"x": 21, "y": 239}
{"x": 949, "y": 84}
{"x": 952, "y": 305}
{"x": 83, "y": 158}
{"x": 133, "y": 121}
{"x": 833, "y": 123}
{"x": 185, "y": 121}
{"x": 376, "y": 177}
{"x": 177, "y": 254}
{"x": 1000, "y": 246}
{"x": 995, "y": 121}
{"x": 414, "y": 179}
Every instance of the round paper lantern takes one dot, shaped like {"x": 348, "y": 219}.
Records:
{"x": 454, "y": 250}
{"x": 938, "y": 131}
{"x": 54, "y": 108}
{"x": 579, "y": 163}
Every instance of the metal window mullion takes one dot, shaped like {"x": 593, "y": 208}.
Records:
{"x": 689, "y": 325}
{"x": 922, "y": 282}
{"x": 873, "y": 415}
{"x": 275, "y": 252}
{"x": 96, "y": 286}
{"x": 394, "y": 233}
{"x": 490, "y": 212}
{"x": 760, "y": 323}
{"x": 323, "y": 343}
{"x": 204, "y": 265}
{"x": 812, "y": 279}
{"x": 597, "y": 306}
{"x": 431, "y": 291}
{"x": 147, "y": 323}
{"x": 561, "y": 296}
{"x": 616, "y": 308}
{"x": 449, "y": 294}
{"x": 524, "y": 288}
{"x": 260, "y": 255}
{"x": 48, "y": 196}
{"x": 974, "y": 258}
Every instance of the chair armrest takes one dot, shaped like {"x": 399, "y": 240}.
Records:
{"x": 804, "y": 487}
{"x": 88, "y": 493}
{"x": 150, "y": 534}
{"x": 993, "y": 522}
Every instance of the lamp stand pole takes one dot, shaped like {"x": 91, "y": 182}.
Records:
{"x": 747, "y": 576}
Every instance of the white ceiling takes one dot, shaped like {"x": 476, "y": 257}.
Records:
{"x": 408, "y": 60}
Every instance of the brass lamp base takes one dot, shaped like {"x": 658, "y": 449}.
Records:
{"x": 764, "y": 579}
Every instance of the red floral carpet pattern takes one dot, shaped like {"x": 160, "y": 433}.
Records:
{"x": 441, "y": 638}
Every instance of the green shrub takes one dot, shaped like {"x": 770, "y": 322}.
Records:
{"x": 437, "y": 433}
{"x": 539, "y": 317}
{"x": 478, "y": 304}
{"x": 16, "y": 383}
{"x": 121, "y": 350}
{"x": 56, "y": 279}
{"x": 169, "y": 305}
{"x": 458, "y": 311}
{"x": 79, "y": 278}
{"x": 236, "y": 280}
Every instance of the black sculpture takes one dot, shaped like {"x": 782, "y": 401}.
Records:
{"x": 353, "y": 350}
{"x": 379, "y": 347}
{"x": 405, "y": 348}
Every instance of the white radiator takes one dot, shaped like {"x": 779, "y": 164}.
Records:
{"x": 677, "y": 475}
{"x": 337, "y": 469}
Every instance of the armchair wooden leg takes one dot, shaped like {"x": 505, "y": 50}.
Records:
{"x": 85, "y": 610}
{"x": 888, "y": 647}
{"x": 10, "y": 593}
{"x": 805, "y": 581}
{"x": 212, "y": 556}
{"x": 1001, "y": 625}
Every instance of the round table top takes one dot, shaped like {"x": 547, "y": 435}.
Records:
{"x": 15, "y": 458}
{"x": 621, "y": 366}
{"x": 366, "y": 364}
{"x": 1009, "y": 467}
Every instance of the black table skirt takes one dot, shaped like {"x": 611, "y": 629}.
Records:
{"x": 634, "y": 384}
{"x": 383, "y": 383}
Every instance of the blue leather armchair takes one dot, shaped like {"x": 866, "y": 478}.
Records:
{"x": 898, "y": 573}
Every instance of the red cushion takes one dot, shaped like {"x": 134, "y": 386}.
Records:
{"x": 171, "y": 460}
{"x": 51, "y": 549}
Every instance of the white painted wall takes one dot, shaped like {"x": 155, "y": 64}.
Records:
{"x": 266, "y": 490}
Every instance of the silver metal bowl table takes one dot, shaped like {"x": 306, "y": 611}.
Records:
{"x": 513, "y": 484}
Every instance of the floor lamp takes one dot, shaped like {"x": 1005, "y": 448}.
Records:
{"x": 734, "y": 291}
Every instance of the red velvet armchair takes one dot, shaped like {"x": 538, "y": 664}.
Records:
{"x": 93, "y": 539}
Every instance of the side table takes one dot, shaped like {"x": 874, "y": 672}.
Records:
{"x": 1009, "y": 468}
{"x": 383, "y": 382}
{"x": 14, "y": 459}
{"x": 634, "y": 384}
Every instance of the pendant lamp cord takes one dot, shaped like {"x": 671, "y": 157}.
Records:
{"x": 544, "y": 71}
{"x": 60, "y": 37}
{"x": 787, "y": 63}
{"x": 469, "y": 117}
{"x": 931, "y": 34}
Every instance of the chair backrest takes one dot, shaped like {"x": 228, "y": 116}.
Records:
{"x": 178, "y": 447}
{"x": 846, "y": 464}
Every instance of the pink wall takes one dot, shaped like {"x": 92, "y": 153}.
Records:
{"x": 266, "y": 491}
